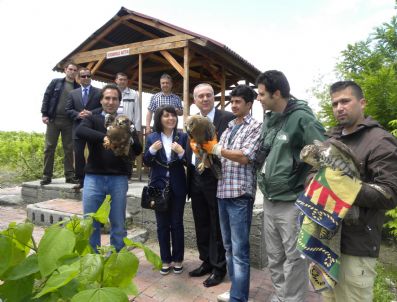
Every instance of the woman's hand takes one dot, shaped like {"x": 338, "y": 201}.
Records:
{"x": 156, "y": 146}
{"x": 177, "y": 148}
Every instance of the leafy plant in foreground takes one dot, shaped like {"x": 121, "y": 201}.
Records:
{"x": 392, "y": 223}
{"x": 63, "y": 266}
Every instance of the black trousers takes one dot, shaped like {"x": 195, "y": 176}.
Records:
{"x": 206, "y": 220}
{"x": 79, "y": 159}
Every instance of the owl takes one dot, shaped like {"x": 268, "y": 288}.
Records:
{"x": 119, "y": 134}
{"x": 331, "y": 153}
{"x": 201, "y": 130}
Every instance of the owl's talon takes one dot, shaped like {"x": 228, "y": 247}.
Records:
{"x": 201, "y": 167}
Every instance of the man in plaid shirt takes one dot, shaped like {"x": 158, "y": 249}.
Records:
{"x": 164, "y": 97}
{"x": 236, "y": 190}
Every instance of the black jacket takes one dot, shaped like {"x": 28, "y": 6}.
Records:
{"x": 100, "y": 160}
{"x": 376, "y": 150}
{"x": 221, "y": 121}
{"x": 51, "y": 97}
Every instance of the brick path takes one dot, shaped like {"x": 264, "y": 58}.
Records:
{"x": 154, "y": 287}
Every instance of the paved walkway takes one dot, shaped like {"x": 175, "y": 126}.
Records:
{"x": 154, "y": 287}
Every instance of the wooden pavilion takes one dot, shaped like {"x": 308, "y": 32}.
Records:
{"x": 144, "y": 48}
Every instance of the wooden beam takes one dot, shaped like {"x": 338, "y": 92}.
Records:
{"x": 186, "y": 94}
{"x": 172, "y": 61}
{"x": 213, "y": 72}
{"x": 140, "y": 81}
{"x": 135, "y": 75}
{"x": 139, "y": 29}
{"x": 134, "y": 48}
{"x": 89, "y": 66}
{"x": 97, "y": 65}
{"x": 231, "y": 64}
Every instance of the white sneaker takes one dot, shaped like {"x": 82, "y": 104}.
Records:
{"x": 224, "y": 297}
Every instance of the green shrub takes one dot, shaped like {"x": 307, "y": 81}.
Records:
{"x": 63, "y": 266}
{"x": 391, "y": 225}
{"x": 23, "y": 153}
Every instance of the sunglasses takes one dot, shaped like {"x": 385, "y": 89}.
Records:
{"x": 84, "y": 76}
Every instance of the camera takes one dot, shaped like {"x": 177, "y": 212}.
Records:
{"x": 261, "y": 156}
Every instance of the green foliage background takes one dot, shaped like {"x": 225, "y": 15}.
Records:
{"x": 372, "y": 63}
{"x": 23, "y": 153}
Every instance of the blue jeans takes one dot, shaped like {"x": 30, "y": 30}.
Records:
{"x": 170, "y": 232}
{"x": 96, "y": 187}
{"x": 235, "y": 216}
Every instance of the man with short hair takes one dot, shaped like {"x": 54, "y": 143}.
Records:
{"x": 376, "y": 150}
{"x": 236, "y": 190}
{"x": 288, "y": 126}
{"x": 55, "y": 117}
{"x": 79, "y": 105}
{"x": 129, "y": 104}
{"x": 106, "y": 173}
{"x": 164, "y": 97}
{"x": 202, "y": 191}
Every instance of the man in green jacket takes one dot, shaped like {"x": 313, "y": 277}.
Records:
{"x": 288, "y": 126}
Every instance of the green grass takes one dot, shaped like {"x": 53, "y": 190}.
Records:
{"x": 382, "y": 289}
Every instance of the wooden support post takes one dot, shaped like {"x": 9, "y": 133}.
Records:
{"x": 223, "y": 88}
{"x": 186, "y": 94}
{"x": 139, "y": 158}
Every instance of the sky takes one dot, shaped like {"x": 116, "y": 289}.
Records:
{"x": 303, "y": 39}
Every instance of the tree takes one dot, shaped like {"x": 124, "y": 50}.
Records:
{"x": 371, "y": 63}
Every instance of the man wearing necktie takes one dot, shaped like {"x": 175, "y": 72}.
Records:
{"x": 202, "y": 191}
{"x": 79, "y": 106}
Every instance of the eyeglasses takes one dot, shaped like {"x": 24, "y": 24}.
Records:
{"x": 84, "y": 76}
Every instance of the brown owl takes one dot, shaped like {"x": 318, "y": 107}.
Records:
{"x": 119, "y": 132}
{"x": 201, "y": 130}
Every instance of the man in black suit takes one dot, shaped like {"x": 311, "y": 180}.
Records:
{"x": 80, "y": 103}
{"x": 202, "y": 191}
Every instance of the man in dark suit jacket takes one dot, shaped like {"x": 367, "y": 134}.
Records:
{"x": 202, "y": 191}
{"x": 80, "y": 103}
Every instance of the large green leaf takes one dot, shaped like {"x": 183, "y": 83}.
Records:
{"x": 119, "y": 269}
{"x": 102, "y": 214}
{"x": 130, "y": 289}
{"x": 25, "y": 268}
{"x": 83, "y": 233}
{"x": 91, "y": 268}
{"x": 56, "y": 243}
{"x": 151, "y": 256}
{"x": 10, "y": 254}
{"x": 69, "y": 290}
{"x": 6, "y": 247}
{"x": 23, "y": 232}
{"x": 60, "y": 278}
{"x": 105, "y": 294}
{"x": 17, "y": 290}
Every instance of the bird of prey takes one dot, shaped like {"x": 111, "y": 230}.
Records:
{"x": 119, "y": 134}
{"x": 333, "y": 154}
{"x": 201, "y": 130}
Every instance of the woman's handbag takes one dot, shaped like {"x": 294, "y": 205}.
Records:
{"x": 154, "y": 198}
